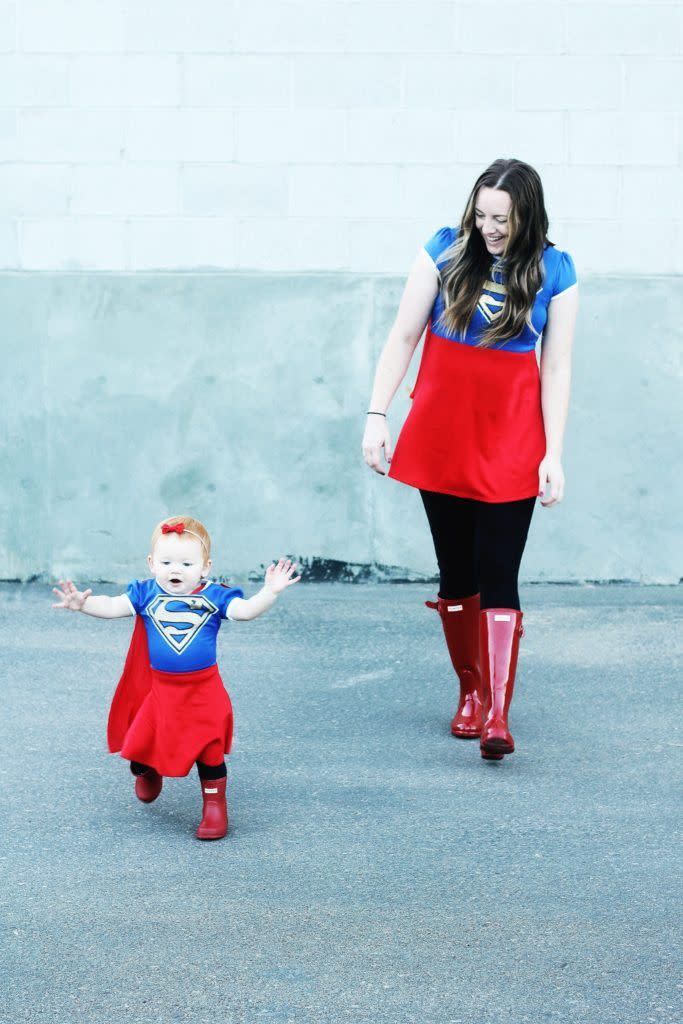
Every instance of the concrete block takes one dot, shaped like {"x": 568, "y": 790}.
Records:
{"x": 403, "y": 27}
{"x": 71, "y": 135}
{"x": 567, "y": 83}
{"x": 163, "y": 25}
{"x": 293, "y": 244}
{"x": 623, "y": 138}
{"x": 187, "y": 135}
{"x": 581, "y": 192}
{"x": 652, "y": 192}
{"x": 8, "y": 26}
{"x": 622, "y": 28}
{"x": 30, "y": 81}
{"x": 678, "y": 249}
{"x": 79, "y": 244}
{"x": 351, "y": 191}
{"x": 236, "y": 81}
{"x": 593, "y": 246}
{"x": 437, "y": 195}
{"x": 296, "y": 136}
{"x": 71, "y": 26}
{"x": 653, "y": 84}
{"x": 29, "y": 190}
{"x": 559, "y": 234}
{"x": 9, "y": 135}
{"x": 341, "y": 27}
{"x": 619, "y": 247}
{"x": 469, "y": 83}
{"x": 9, "y": 243}
{"x": 125, "y": 190}
{"x": 354, "y": 80}
{"x": 299, "y": 27}
{"x": 402, "y": 136}
{"x": 234, "y": 189}
{"x": 125, "y": 81}
{"x": 387, "y": 247}
{"x": 182, "y": 243}
{"x": 511, "y": 28}
{"x": 534, "y": 137}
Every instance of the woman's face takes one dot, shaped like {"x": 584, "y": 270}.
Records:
{"x": 491, "y": 213}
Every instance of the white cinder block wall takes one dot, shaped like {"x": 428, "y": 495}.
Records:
{"x": 331, "y": 134}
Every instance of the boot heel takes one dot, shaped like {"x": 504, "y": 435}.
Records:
{"x": 496, "y": 746}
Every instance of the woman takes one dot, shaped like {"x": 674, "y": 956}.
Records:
{"x": 483, "y": 438}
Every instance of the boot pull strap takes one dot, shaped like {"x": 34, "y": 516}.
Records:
{"x": 432, "y": 604}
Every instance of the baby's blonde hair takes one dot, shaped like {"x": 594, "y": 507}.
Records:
{"x": 191, "y": 526}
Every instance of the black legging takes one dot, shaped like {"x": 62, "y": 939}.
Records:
{"x": 206, "y": 772}
{"x": 479, "y": 546}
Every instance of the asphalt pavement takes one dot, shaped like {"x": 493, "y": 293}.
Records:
{"x": 377, "y": 871}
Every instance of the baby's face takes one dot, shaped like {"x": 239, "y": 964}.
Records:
{"x": 178, "y": 563}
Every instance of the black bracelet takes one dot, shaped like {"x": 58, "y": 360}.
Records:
{"x": 376, "y": 414}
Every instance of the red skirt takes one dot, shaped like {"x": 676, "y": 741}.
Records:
{"x": 475, "y": 428}
{"x": 168, "y": 719}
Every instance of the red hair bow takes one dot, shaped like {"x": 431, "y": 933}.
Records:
{"x": 174, "y": 528}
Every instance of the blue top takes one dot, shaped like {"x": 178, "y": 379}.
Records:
{"x": 181, "y": 628}
{"x": 559, "y": 274}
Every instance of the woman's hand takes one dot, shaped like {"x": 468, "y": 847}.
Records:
{"x": 281, "y": 576}
{"x": 71, "y": 598}
{"x": 375, "y": 438}
{"x": 550, "y": 481}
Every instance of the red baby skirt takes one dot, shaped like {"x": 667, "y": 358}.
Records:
{"x": 167, "y": 719}
{"x": 475, "y": 428}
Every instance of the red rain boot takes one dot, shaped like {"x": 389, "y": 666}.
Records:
{"x": 501, "y": 629}
{"x": 214, "y": 823}
{"x": 460, "y": 620}
{"x": 148, "y": 785}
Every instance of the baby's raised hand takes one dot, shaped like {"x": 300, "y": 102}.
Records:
{"x": 280, "y": 576}
{"x": 70, "y": 597}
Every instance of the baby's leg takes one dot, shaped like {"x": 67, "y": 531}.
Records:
{"x": 212, "y": 775}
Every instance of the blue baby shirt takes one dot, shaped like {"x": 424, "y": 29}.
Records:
{"x": 181, "y": 629}
{"x": 559, "y": 274}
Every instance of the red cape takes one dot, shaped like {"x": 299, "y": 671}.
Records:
{"x": 134, "y": 685}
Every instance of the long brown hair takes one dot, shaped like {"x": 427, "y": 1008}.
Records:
{"x": 467, "y": 263}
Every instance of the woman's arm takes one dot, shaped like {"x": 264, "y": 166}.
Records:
{"x": 101, "y": 607}
{"x": 556, "y": 370}
{"x": 416, "y": 303}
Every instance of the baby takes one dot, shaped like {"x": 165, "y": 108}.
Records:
{"x": 170, "y": 708}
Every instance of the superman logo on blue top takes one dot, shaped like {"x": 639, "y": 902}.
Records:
{"x": 180, "y": 619}
{"x": 181, "y": 628}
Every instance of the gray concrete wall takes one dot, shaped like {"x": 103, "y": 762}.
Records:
{"x": 240, "y": 398}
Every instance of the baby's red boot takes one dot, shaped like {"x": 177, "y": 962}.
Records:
{"x": 148, "y": 785}
{"x": 214, "y": 823}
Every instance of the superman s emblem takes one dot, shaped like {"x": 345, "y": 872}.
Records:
{"x": 492, "y": 300}
{"x": 179, "y": 619}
